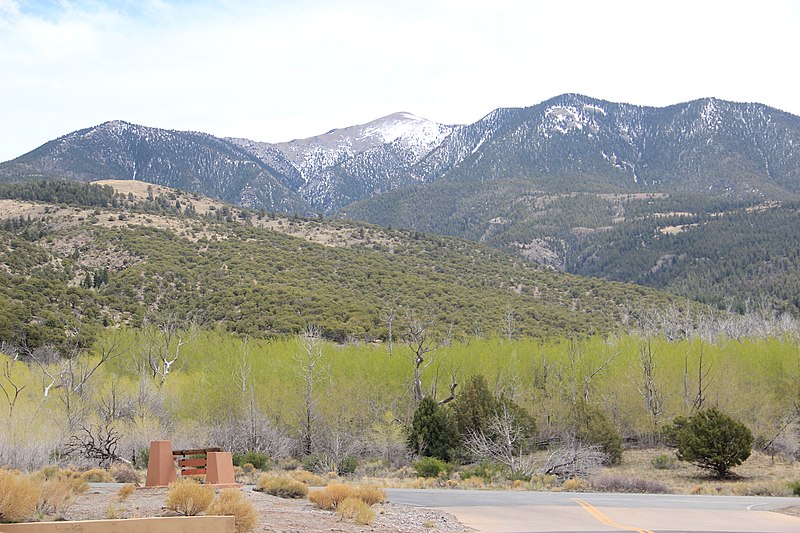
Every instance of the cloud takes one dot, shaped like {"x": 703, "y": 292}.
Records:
{"x": 279, "y": 70}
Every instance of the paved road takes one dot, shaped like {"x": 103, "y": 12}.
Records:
{"x": 522, "y": 512}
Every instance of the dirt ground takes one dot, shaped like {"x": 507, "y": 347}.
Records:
{"x": 277, "y": 514}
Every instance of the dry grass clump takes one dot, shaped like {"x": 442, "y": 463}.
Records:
{"x": 123, "y": 473}
{"x": 355, "y": 509}
{"x": 308, "y": 478}
{"x": 774, "y": 488}
{"x": 420, "y": 483}
{"x": 19, "y": 496}
{"x": 280, "y": 486}
{"x": 57, "y": 494}
{"x": 231, "y": 502}
{"x": 473, "y": 482}
{"x": 189, "y": 498}
{"x": 543, "y": 482}
{"x": 331, "y": 496}
{"x": 97, "y": 475}
{"x": 619, "y": 483}
{"x": 574, "y": 484}
{"x": 370, "y": 494}
{"x": 125, "y": 492}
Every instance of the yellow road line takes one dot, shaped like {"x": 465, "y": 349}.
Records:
{"x": 606, "y": 520}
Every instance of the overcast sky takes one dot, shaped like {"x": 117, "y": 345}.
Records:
{"x": 278, "y": 70}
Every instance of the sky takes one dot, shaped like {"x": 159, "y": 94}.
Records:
{"x": 279, "y": 70}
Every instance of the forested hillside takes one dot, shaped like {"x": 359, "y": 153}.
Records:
{"x": 67, "y": 270}
{"x": 732, "y": 253}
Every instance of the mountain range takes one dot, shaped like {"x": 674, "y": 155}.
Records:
{"x": 568, "y": 143}
{"x": 665, "y": 197}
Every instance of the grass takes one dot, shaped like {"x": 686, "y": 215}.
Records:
{"x": 231, "y": 502}
{"x": 761, "y": 474}
{"x": 281, "y": 486}
{"x": 125, "y": 492}
{"x": 189, "y": 498}
{"x": 641, "y": 471}
{"x": 357, "y": 510}
{"x": 19, "y": 495}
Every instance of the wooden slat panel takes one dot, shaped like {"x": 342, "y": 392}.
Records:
{"x": 198, "y": 451}
{"x": 200, "y": 461}
{"x": 193, "y": 471}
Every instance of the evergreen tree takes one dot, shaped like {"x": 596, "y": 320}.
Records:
{"x": 432, "y": 432}
{"x": 474, "y": 407}
{"x": 714, "y": 441}
{"x": 593, "y": 426}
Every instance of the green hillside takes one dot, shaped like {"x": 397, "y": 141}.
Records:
{"x": 73, "y": 269}
{"x": 732, "y": 253}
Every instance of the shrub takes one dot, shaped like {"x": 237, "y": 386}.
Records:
{"x": 282, "y": 487}
{"x": 123, "y": 473}
{"x": 312, "y": 462}
{"x": 483, "y": 471}
{"x": 97, "y": 475}
{"x": 331, "y": 496}
{"x": 259, "y": 460}
{"x": 574, "y": 484}
{"x": 431, "y": 467}
{"x": 594, "y": 427}
{"x": 369, "y": 494}
{"x": 794, "y": 486}
{"x": 57, "y": 494}
{"x": 231, "y": 502}
{"x": 113, "y": 512}
{"x": 670, "y": 432}
{"x": 357, "y": 510}
{"x": 628, "y": 484}
{"x": 773, "y": 488}
{"x": 125, "y": 492}
{"x": 663, "y": 462}
{"x": 19, "y": 496}
{"x": 474, "y": 482}
{"x": 543, "y": 481}
{"x": 348, "y": 465}
{"x": 189, "y": 498}
{"x": 78, "y": 483}
{"x": 307, "y": 478}
{"x": 714, "y": 441}
{"x": 322, "y": 499}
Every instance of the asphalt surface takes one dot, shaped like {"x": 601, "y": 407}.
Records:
{"x": 522, "y": 512}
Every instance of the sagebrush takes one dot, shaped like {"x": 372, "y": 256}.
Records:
{"x": 231, "y": 502}
{"x": 188, "y": 498}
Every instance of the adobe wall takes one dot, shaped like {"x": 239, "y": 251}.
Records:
{"x": 177, "y": 524}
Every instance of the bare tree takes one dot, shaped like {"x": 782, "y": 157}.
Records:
{"x": 162, "y": 350}
{"x": 75, "y": 368}
{"x": 573, "y": 459}
{"x": 697, "y": 400}
{"x": 421, "y": 343}
{"x": 509, "y": 324}
{"x": 389, "y": 315}
{"x": 576, "y": 353}
{"x": 10, "y": 388}
{"x": 653, "y": 399}
{"x": 72, "y": 374}
{"x": 309, "y": 368}
{"x": 96, "y": 442}
{"x": 453, "y": 385}
{"x": 503, "y": 443}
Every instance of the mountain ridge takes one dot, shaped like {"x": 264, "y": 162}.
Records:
{"x": 569, "y": 142}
